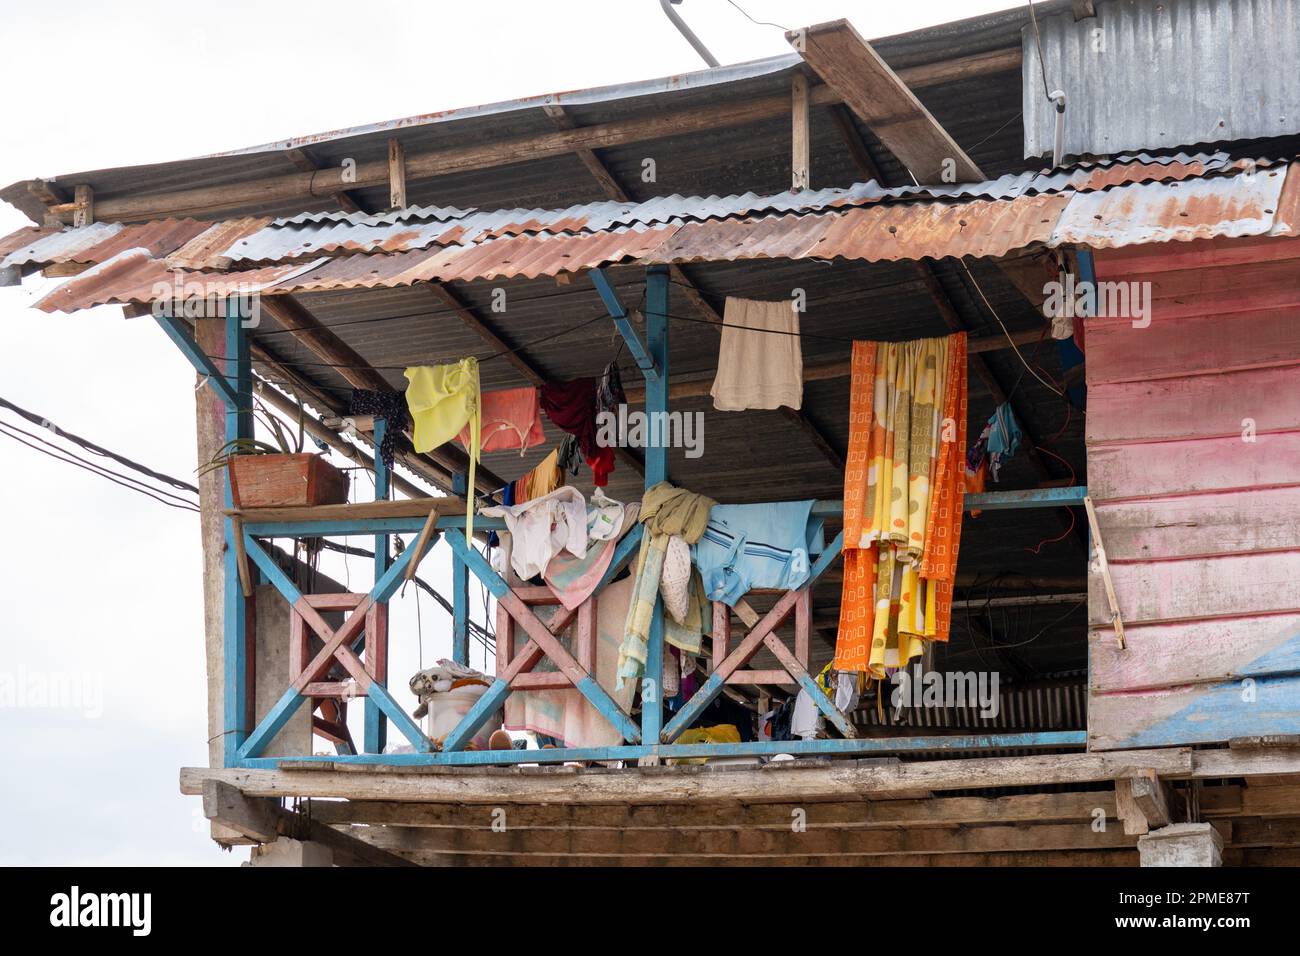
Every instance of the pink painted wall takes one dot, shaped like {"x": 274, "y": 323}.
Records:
{"x": 1202, "y": 528}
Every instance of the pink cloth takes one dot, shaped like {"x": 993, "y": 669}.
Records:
{"x": 512, "y": 418}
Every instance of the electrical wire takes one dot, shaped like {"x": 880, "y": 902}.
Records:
{"x": 118, "y": 479}
{"x": 760, "y": 23}
{"x": 90, "y": 446}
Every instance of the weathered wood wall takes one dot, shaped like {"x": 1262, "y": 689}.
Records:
{"x": 1194, "y": 465}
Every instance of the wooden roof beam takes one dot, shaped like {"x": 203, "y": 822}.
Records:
{"x": 880, "y": 98}
{"x": 305, "y": 163}
{"x": 305, "y": 185}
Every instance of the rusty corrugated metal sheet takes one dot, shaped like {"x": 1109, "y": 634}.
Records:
{"x": 1242, "y": 205}
{"x": 136, "y": 276}
{"x": 1245, "y": 204}
{"x": 314, "y": 234}
{"x": 101, "y": 241}
{"x": 22, "y": 238}
{"x": 206, "y": 249}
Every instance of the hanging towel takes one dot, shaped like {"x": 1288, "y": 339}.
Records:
{"x": 665, "y": 511}
{"x": 760, "y": 362}
{"x": 571, "y": 406}
{"x": 574, "y": 579}
{"x": 543, "y": 527}
{"x": 757, "y": 546}
{"x": 443, "y": 399}
{"x": 903, "y": 497}
{"x": 510, "y": 419}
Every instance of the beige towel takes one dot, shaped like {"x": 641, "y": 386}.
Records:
{"x": 759, "y": 369}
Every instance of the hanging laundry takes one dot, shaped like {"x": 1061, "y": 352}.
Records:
{"x": 604, "y": 517}
{"x": 391, "y": 407}
{"x": 903, "y": 496}
{"x": 542, "y": 480}
{"x": 543, "y": 527}
{"x": 760, "y": 360}
{"x": 574, "y": 579}
{"x": 443, "y": 399}
{"x": 665, "y": 511}
{"x": 510, "y": 419}
{"x": 1002, "y": 435}
{"x": 757, "y": 546}
{"x": 572, "y": 407}
{"x": 569, "y": 456}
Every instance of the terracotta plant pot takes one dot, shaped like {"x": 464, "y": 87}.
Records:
{"x": 265, "y": 481}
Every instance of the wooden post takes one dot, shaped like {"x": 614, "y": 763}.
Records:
{"x": 1104, "y": 567}
{"x": 460, "y": 589}
{"x": 656, "y": 470}
{"x": 396, "y": 174}
{"x": 84, "y": 213}
{"x": 376, "y": 727}
{"x": 800, "y": 173}
{"x": 237, "y": 629}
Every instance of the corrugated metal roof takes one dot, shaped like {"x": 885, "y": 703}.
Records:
{"x": 1244, "y": 202}
{"x": 315, "y": 234}
{"x": 1147, "y": 74}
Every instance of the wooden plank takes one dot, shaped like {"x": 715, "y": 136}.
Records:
{"x": 1140, "y": 261}
{"x": 1046, "y": 858}
{"x": 800, "y": 134}
{"x": 745, "y": 843}
{"x": 1200, "y": 713}
{"x": 396, "y": 174}
{"x": 1193, "y": 466}
{"x": 1232, "y": 522}
{"x": 1165, "y": 655}
{"x": 1233, "y": 586}
{"x": 844, "y": 780}
{"x": 1113, "y": 617}
{"x": 1203, "y": 406}
{"x": 876, "y": 94}
{"x": 1191, "y": 345}
{"x": 355, "y": 510}
{"x": 255, "y": 817}
{"x": 929, "y": 811}
{"x": 84, "y": 201}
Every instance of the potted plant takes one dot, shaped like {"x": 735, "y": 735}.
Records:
{"x": 263, "y": 475}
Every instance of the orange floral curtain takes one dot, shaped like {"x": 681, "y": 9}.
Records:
{"x": 903, "y": 499}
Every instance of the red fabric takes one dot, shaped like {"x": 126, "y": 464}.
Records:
{"x": 572, "y": 407}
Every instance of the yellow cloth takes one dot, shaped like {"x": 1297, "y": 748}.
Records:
{"x": 719, "y": 734}
{"x": 902, "y": 500}
{"x": 443, "y": 399}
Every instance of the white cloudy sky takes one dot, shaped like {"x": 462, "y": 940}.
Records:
{"x": 103, "y": 584}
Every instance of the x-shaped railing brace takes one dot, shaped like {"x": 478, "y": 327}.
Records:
{"x": 338, "y": 646}
{"x": 764, "y": 634}
{"x": 542, "y": 640}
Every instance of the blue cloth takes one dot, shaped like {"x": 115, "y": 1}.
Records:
{"x": 757, "y": 546}
{"x": 1003, "y": 437}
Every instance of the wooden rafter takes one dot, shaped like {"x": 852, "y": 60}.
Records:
{"x": 304, "y": 162}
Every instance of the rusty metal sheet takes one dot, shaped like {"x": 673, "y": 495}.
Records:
{"x": 1241, "y": 205}
{"x": 136, "y": 276}
{"x": 205, "y": 251}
